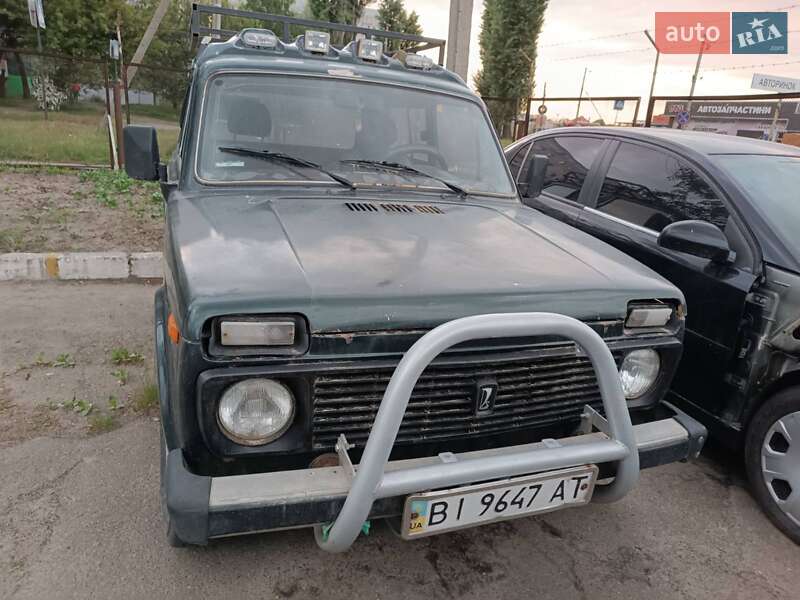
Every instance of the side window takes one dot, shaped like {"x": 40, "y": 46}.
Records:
{"x": 651, "y": 188}
{"x": 570, "y": 158}
{"x": 515, "y": 161}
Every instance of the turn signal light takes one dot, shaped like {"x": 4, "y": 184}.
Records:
{"x": 172, "y": 329}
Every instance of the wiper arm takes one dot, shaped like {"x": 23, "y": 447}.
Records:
{"x": 270, "y": 155}
{"x": 395, "y": 166}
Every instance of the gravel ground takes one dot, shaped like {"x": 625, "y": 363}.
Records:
{"x": 79, "y": 515}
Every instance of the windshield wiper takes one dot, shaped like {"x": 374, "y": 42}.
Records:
{"x": 395, "y": 166}
{"x": 270, "y": 155}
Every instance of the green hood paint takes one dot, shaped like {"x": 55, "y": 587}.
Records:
{"x": 235, "y": 253}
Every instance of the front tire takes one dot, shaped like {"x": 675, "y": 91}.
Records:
{"x": 172, "y": 537}
{"x": 772, "y": 459}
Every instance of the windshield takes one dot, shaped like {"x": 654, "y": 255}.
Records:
{"x": 772, "y": 183}
{"x": 335, "y": 123}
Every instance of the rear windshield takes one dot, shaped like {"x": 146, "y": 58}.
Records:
{"x": 331, "y": 121}
{"x": 773, "y": 185}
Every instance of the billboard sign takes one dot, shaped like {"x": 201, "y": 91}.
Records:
{"x": 773, "y": 83}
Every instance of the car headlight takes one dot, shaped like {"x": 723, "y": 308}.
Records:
{"x": 638, "y": 372}
{"x": 256, "y": 411}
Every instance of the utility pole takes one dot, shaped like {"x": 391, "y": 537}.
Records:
{"x": 583, "y": 82}
{"x": 42, "y": 78}
{"x": 694, "y": 79}
{"x": 36, "y": 14}
{"x": 149, "y": 33}
{"x": 655, "y": 68}
{"x": 216, "y": 20}
{"x": 458, "y": 34}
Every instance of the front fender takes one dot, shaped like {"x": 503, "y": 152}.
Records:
{"x": 162, "y": 366}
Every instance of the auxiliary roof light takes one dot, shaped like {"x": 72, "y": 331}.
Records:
{"x": 418, "y": 61}
{"x": 371, "y": 50}
{"x": 260, "y": 38}
{"x": 317, "y": 41}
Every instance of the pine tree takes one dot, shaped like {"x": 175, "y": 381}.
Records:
{"x": 509, "y": 34}
{"x": 337, "y": 11}
{"x": 392, "y": 16}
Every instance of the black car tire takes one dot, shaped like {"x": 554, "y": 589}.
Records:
{"x": 778, "y": 406}
{"x": 172, "y": 537}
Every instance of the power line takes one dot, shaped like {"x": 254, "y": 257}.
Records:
{"x": 591, "y": 39}
{"x": 789, "y": 62}
{"x": 638, "y": 31}
{"x": 601, "y": 54}
{"x": 633, "y": 50}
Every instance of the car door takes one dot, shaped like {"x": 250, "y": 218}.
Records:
{"x": 570, "y": 161}
{"x": 640, "y": 189}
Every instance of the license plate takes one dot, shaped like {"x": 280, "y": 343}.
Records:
{"x": 445, "y": 510}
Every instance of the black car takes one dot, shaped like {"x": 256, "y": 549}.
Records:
{"x": 719, "y": 217}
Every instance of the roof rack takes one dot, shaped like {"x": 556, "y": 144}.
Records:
{"x": 199, "y": 30}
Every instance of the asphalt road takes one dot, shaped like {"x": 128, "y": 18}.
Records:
{"x": 79, "y": 515}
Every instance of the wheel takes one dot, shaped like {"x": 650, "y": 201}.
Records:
{"x": 172, "y": 537}
{"x": 772, "y": 458}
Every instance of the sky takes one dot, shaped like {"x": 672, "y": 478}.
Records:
{"x": 625, "y": 66}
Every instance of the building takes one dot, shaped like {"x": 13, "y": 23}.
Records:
{"x": 752, "y": 119}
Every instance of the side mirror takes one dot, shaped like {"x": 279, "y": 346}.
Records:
{"x": 698, "y": 238}
{"x": 141, "y": 152}
{"x": 534, "y": 180}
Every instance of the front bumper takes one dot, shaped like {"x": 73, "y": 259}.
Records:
{"x": 202, "y": 508}
{"x": 206, "y": 507}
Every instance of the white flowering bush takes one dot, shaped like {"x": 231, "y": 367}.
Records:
{"x": 55, "y": 97}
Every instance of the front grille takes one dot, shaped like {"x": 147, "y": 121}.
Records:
{"x": 532, "y": 391}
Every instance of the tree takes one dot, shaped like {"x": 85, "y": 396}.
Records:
{"x": 274, "y": 7}
{"x": 169, "y": 50}
{"x": 14, "y": 24}
{"x": 337, "y": 11}
{"x": 392, "y": 16}
{"x": 509, "y": 35}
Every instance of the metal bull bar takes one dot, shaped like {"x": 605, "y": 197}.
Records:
{"x": 371, "y": 481}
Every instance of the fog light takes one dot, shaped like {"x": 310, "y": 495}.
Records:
{"x": 370, "y": 50}
{"x": 256, "y": 411}
{"x": 638, "y": 372}
{"x": 418, "y": 61}
{"x": 316, "y": 41}
{"x": 260, "y": 38}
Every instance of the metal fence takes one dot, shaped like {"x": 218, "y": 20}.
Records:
{"x": 516, "y": 118}
{"x": 94, "y": 92}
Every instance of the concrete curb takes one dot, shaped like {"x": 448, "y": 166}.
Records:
{"x": 56, "y": 266}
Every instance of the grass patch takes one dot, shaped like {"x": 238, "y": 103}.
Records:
{"x": 123, "y": 356}
{"x": 146, "y": 399}
{"x": 80, "y": 406}
{"x": 111, "y": 187}
{"x": 77, "y": 134}
{"x": 102, "y": 423}
{"x": 160, "y": 111}
{"x": 114, "y": 404}
{"x": 12, "y": 239}
{"x": 108, "y": 185}
{"x": 121, "y": 375}
{"x": 62, "y": 361}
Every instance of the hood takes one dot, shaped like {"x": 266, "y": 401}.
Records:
{"x": 370, "y": 264}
